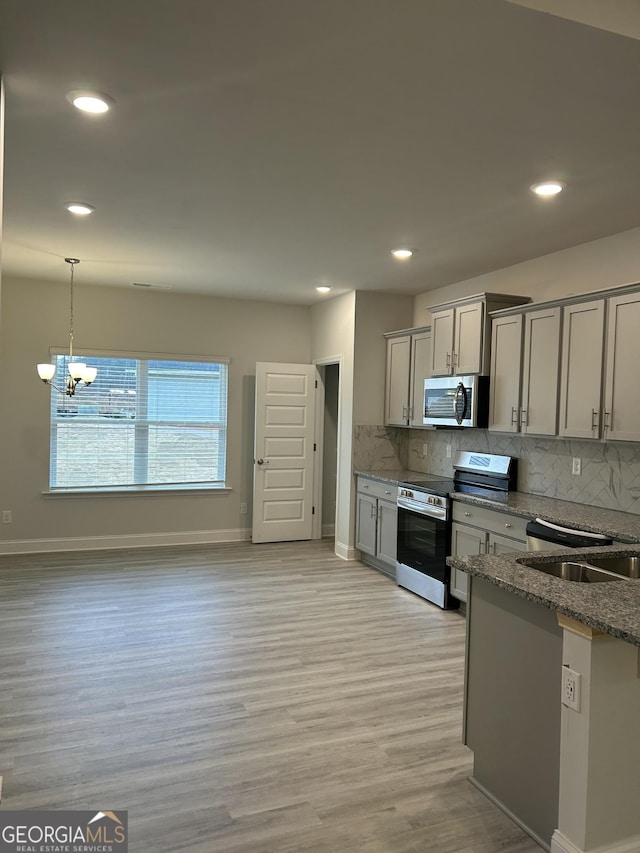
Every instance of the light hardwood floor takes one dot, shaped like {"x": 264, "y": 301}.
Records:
{"x": 239, "y": 699}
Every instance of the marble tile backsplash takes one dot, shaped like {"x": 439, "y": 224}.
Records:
{"x": 610, "y": 471}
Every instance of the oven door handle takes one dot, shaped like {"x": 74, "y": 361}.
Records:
{"x": 420, "y": 509}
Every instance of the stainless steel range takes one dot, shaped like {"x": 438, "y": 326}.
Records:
{"x": 424, "y": 520}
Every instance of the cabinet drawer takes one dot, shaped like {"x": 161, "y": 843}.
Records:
{"x": 513, "y": 526}
{"x": 386, "y": 491}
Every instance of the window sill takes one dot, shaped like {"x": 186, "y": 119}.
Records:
{"x": 118, "y": 491}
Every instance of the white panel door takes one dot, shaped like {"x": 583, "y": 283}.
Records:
{"x": 284, "y": 448}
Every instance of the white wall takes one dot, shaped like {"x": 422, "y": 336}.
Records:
{"x": 608, "y": 262}
{"x": 332, "y": 340}
{"x": 35, "y": 317}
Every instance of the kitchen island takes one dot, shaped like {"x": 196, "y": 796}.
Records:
{"x": 569, "y": 775}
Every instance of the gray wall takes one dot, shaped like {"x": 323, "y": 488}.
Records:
{"x": 35, "y": 317}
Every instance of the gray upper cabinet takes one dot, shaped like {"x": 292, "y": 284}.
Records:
{"x": 581, "y": 371}
{"x": 525, "y": 365}
{"x": 457, "y": 340}
{"x": 540, "y": 372}
{"x": 621, "y": 416}
{"x": 462, "y": 333}
{"x": 408, "y": 356}
{"x": 577, "y": 367}
{"x": 506, "y": 364}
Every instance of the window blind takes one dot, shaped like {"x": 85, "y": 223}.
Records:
{"x": 141, "y": 422}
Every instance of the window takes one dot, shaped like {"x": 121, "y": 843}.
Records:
{"x": 142, "y": 422}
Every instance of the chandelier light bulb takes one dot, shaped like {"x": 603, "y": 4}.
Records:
{"x": 77, "y": 369}
{"x": 46, "y": 371}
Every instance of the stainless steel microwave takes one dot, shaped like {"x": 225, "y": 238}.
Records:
{"x": 456, "y": 401}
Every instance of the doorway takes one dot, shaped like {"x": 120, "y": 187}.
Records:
{"x": 330, "y": 448}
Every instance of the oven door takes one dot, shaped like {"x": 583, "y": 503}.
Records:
{"x": 424, "y": 543}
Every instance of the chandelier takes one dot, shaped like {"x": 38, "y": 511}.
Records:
{"x": 79, "y": 373}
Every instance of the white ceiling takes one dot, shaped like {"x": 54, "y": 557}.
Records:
{"x": 260, "y": 147}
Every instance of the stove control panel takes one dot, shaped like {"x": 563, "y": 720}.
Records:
{"x": 422, "y": 497}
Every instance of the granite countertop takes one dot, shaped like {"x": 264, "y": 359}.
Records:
{"x": 395, "y": 475}
{"x": 622, "y": 526}
{"x": 612, "y": 607}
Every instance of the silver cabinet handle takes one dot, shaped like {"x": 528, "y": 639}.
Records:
{"x": 387, "y": 492}
{"x": 523, "y": 417}
{"x": 514, "y": 416}
{"x": 482, "y": 548}
{"x": 594, "y": 419}
{"x": 449, "y": 360}
{"x": 607, "y": 415}
{"x": 468, "y": 514}
{"x": 506, "y": 524}
{"x": 454, "y": 361}
{"x": 410, "y": 413}
{"x": 374, "y": 510}
{"x": 365, "y": 487}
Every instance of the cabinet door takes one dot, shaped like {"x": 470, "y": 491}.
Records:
{"x": 504, "y": 387}
{"x": 467, "y": 338}
{"x": 503, "y": 545}
{"x": 366, "y": 524}
{"x": 420, "y": 358}
{"x": 465, "y": 541}
{"x": 442, "y": 342}
{"x": 387, "y": 532}
{"x": 581, "y": 369}
{"x": 396, "y": 398}
{"x": 622, "y": 401}
{"x": 540, "y": 372}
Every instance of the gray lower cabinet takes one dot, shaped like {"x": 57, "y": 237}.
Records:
{"x": 377, "y": 524}
{"x": 479, "y": 530}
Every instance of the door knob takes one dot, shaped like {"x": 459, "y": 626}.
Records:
{"x": 260, "y": 461}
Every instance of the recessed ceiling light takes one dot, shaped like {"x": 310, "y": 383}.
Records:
{"x": 90, "y": 102}
{"x": 402, "y": 254}
{"x": 548, "y": 188}
{"x": 79, "y": 208}
{"x": 323, "y": 288}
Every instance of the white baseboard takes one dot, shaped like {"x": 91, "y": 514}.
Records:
{"x": 346, "y": 552}
{"x": 561, "y": 844}
{"x": 328, "y": 530}
{"x": 134, "y": 540}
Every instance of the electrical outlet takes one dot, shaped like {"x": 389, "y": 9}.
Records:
{"x": 424, "y": 449}
{"x": 571, "y": 689}
{"x": 243, "y": 509}
{"x": 576, "y": 469}
{"x": 7, "y": 516}
{"x": 448, "y": 453}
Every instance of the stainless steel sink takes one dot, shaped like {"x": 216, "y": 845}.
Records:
{"x": 628, "y": 567}
{"x": 571, "y": 571}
